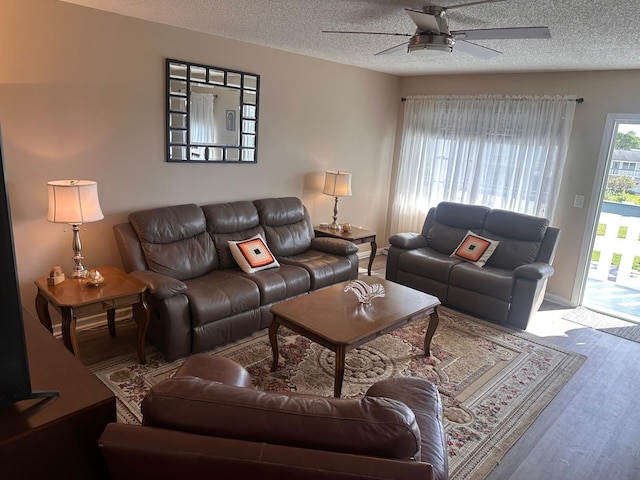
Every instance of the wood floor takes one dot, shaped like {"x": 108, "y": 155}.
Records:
{"x": 591, "y": 429}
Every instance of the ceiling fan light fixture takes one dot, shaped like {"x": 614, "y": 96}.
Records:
{"x": 428, "y": 45}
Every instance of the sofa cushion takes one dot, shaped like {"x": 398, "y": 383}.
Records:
{"x": 286, "y": 223}
{"x": 231, "y": 221}
{"x": 428, "y": 263}
{"x": 252, "y": 255}
{"x": 475, "y": 249}
{"x": 174, "y": 241}
{"x": 220, "y": 294}
{"x": 378, "y": 427}
{"x": 281, "y": 283}
{"x": 520, "y": 237}
{"x": 451, "y": 222}
{"x": 324, "y": 269}
{"x": 490, "y": 281}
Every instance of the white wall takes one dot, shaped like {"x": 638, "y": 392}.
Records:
{"x": 603, "y": 92}
{"x": 82, "y": 95}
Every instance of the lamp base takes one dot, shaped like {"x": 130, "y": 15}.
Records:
{"x": 78, "y": 272}
{"x": 335, "y": 225}
{"x": 78, "y": 269}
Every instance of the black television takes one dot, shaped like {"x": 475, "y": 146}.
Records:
{"x": 15, "y": 383}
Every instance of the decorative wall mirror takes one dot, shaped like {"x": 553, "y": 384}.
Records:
{"x": 212, "y": 114}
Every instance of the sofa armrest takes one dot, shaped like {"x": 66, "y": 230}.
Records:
{"x": 408, "y": 241}
{"x": 336, "y": 246}
{"x": 534, "y": 271}
{"x": 215, "y": 368}
{"x": 158, "y": 285}
{"x": 422, "y": 397}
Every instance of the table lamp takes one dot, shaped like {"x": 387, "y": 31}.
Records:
{"x": 74, "y": 202}
{"x": 337, "y": 184}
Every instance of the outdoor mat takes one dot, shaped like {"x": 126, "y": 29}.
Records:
{"x": 604, "y": 323}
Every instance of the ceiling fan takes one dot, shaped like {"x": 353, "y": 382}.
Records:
{"x": 433, "y": 36}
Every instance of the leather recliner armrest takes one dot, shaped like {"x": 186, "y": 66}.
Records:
{"x": 408, "y": 241}
{"x": 158, "y": 285}
{"x": 534, "y": 271}
{"x": 336, "y": 246}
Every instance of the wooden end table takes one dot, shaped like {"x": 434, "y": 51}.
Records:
{"x": 355, "y": 235}
{"x": 74, "y": 298}
{"x": 336, "y": 320}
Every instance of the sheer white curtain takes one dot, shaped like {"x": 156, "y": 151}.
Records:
{"x": 503, "y": 152}
{"x": 201, "y": 117}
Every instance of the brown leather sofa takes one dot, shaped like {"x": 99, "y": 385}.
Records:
{"x": 508, "y": 289}
{"x": 208, "y": 422}
{"x": 197, "y": 295}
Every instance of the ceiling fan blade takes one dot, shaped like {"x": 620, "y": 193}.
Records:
{"x": 502, "y": 33}
{"x": 475, "y": 50}
{"x": 470, "y": 4}
{"x": 424, "y": 21}
{"x": 397, "y": 48}
{"x": 369, "y": 33}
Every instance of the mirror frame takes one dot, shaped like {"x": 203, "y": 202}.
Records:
{"x": 179, "y": 147}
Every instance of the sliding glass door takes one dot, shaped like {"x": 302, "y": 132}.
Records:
{"x": 612, "y": 283}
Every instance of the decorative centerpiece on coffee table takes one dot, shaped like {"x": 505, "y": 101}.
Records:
{"x": 365, "y": 292}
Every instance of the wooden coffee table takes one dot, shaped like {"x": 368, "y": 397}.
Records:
{"x": 336, "y": 320}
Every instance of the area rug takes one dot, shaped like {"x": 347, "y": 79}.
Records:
{"x": 493, "y": 381}
{"x": 604, "y": 323}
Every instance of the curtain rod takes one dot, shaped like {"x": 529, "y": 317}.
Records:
{"x": 578, "y": 100}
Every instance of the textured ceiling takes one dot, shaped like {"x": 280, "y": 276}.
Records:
{"x": 585, "y": 34}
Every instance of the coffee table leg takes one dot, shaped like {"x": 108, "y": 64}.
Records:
{"x": 339, "y": 374}
{"x": 273, "y": 339}
{"x": 431, "y": 329}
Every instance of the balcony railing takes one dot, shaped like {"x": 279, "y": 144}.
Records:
{"x": 617, "y": 255}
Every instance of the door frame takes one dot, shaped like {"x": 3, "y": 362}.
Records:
{"x": 597, "y": 196}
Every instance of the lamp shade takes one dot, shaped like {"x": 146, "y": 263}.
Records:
{"x": 73, "y": 202}
{"x": 337, "y": 184}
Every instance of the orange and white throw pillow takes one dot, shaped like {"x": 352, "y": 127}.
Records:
{"x": 252, "y": 255}
{"x": 475, "y": 249}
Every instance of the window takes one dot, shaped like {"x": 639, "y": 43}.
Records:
{"x": 503, "y": 152}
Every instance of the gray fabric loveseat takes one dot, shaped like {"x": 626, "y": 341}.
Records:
{"x": 198, "y": 296}
{"x": 507, "y": 289}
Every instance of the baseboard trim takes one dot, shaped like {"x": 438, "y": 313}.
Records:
{"x": 367, "y": 253}
{"x": 565, "y": 302}
{"x": 86, "y": 323}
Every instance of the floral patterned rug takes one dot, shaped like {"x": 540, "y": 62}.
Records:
{"x": 493, "y": 381}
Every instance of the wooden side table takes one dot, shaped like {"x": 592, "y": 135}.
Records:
{"x": 356, "y": 235}
{"x": 74, "y": 298}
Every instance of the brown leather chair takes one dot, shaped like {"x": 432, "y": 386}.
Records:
{"x": 209, "y": 421}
